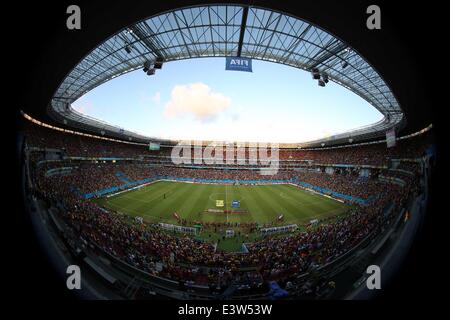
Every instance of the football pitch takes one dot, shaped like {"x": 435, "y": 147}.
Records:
{"x": 157, "y": 202}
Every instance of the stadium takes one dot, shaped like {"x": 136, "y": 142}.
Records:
{"x": 156, "y": 217}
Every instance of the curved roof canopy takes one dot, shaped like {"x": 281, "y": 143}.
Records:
{"x": 219, "y": 31}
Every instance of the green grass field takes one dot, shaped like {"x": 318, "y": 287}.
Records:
{"x": 264, "y": 203}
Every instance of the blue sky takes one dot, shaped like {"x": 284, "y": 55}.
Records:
{"x": 198, "y": 99}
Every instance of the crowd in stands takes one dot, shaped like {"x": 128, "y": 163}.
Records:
{"x": 182, "y": 257}
{"x": 409, "y": 166}
{"x": 345, "y": 184}
{"x": 78, "y": 146}
{"x": 91, "y": 177}
{"x": 187, "y": 259}
{"x": 81, "y": 146}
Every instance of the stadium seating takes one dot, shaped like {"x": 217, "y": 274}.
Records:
{"x": 63, "y": 183}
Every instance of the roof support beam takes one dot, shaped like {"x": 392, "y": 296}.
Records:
{"x": 146, "y": 41}
{"x": 271, "y": 36}
{"x": 243, "y": 26}
{"x": 181, "y": 32}
{"x": 328, "y": 54}
{"x": 297, "y": 42}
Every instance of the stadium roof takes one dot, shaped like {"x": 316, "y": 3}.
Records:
{"x": 219, "y": 31}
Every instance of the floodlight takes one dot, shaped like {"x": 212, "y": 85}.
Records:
{"x": 158, "y": 63}
{"x": 147, "y": 66}
{"x": 315, "y": 74}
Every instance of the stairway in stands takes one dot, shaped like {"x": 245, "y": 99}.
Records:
{"x": 123, "y": 177}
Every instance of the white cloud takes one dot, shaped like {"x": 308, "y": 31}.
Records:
{"x": 196, "y": 99}
{"x": 156, "y": 98}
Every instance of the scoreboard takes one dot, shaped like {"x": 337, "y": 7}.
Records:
{"x": 154, "y": 146}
